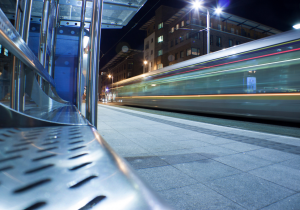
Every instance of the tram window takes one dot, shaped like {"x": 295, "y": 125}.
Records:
{"x": 211, "y": 40}
{"x": 160, "y": 66}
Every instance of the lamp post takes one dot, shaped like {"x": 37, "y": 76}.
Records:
{"x": 112, "y": 79}
{"x": 197, "y": 5}
{"x": 112, "y": 84}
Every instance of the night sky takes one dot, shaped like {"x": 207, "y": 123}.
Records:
{"x": 281, "y": 15}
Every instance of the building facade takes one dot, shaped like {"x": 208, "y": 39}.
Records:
{"x": 125, "y": 64}
{"x": 179, "y": 35}
{"x": 149, "y": 53}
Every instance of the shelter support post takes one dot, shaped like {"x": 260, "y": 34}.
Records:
{"x": 80, "y": 56}
{"x": 93, "y": 63}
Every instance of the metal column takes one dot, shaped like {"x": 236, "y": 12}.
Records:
{"x": 54, "y": 39}
{"x": 208, "y": 32}
{"x": 22, "y": 22}
{"x": 43, "y": 36}
{"x": 80, "y": 55}
{"x": 93, "y": 63}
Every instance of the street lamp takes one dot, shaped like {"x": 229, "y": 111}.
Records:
{"x": 297, "y": 26}
{"x": 112, "y": 84}
{"x": 197, "y": 5}
{"x": 145, "y": 62}
{"x": 112, "y": 79}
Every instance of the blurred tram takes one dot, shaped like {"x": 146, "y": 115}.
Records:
{"x": 259, "y": 79}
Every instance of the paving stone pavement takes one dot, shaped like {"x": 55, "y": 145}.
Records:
{"x": 195, "y": 165}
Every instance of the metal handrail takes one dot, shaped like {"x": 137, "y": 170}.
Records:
{"x": 11, "y": 40}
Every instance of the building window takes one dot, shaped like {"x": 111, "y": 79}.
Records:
{"x": 130, "y": 66}
{"x": 219, "y": 27}
{"x": 188, "y": 52}
{"x": 172, "y": 30}
{"x": 181, "y": 38}
{"x": 172, "y": 43}
{"x": 196, "y": 35}
{"x": 151, "y": 40}
{"x": 219, "y": 41}
{"x": 146, "y": 69}
{"x": 187, "y": 35}
{"x": 151, "y": 52}
{"x": 176, "y": 41}
{"x": 160, "y": 66}
{"x": 176, "y": 56}
{"x": 177, "y": 26}
{"x": 5, "y": 52}
{"x": 237, "y": 31}
{"x": 160, "y": 52}
{"x": 182, "y": 23}
{"x": 160, "y": 39}
{"x": 161, "y": 25}
{"x": 124, "y": 67}
{"x": 195, "y": 51}
{"x": 224, "y": 28}
{"x": 211, "y": 40}
{"x": 238, "y": 42}
{"x": 181, "y": 54}
{"x": 200, "y": 22}
{"x": 147, "y": 45}
{"x": 150, "y": 64}
{"x": 232, "y": 30}
{"x": 230, "y": 43}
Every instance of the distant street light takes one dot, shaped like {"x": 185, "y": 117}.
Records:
{"x": 297, "y": 26}
{"x": 197, "y": 5}
{"x": 112, "y": 78}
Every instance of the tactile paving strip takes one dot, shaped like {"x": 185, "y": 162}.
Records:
{"x": 235, "y": 137}
{"x": 68, "y": 167}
